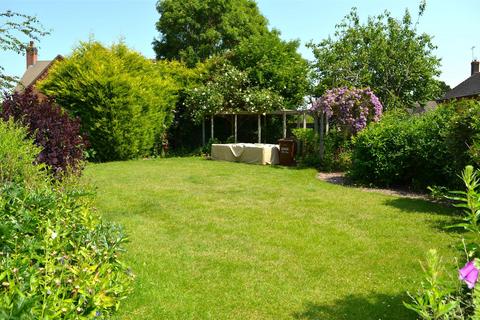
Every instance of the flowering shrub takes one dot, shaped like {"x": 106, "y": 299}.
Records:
{"x": 53, "y": 129}
{"x": 351, "y": 109}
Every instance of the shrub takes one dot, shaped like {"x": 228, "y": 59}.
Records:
{"x": 58, "y": 135}
{"x": 58, "y": 260}
{"x": 308, "y": 154}
{"x": 408, "y": 150}
{"x": 18, "y": 154}
{"x": 337, "y": 153}
{"x": 125, "y": 101}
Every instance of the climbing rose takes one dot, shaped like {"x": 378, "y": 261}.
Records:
{"x": 469, "y": 274}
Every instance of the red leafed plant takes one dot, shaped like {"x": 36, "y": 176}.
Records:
{"x": 58, "y": 134}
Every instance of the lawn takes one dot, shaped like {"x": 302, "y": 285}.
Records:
{"x": 217, "y": 240}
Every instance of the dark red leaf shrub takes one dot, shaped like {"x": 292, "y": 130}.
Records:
{"x": 50, "y": 126}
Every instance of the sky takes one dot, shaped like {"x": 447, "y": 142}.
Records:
{"x": 453, "y": 24}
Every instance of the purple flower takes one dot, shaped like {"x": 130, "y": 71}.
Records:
{"x": 350, "y": 108}
{"x": 469, "y": 274}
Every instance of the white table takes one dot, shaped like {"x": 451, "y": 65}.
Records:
{"x": 258, "y": 153}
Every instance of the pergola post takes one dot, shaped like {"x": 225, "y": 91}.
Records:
{"x": 203, "y": 131}
{"x": 322, "y": 134}
{"x": 211, "y": 128}
{"x": 304, "y": 120}
{"x": 259, "y": 128}
{"x": 235, "y": 128}
{"x": 284, "y": 125}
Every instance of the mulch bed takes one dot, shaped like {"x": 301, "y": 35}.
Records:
{"x": 340, "y": 179}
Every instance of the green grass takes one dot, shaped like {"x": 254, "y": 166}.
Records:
{"x": 217, "y": 240}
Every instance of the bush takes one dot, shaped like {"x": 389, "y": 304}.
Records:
{"x": 125, "y": 101}
{"x": 417, "y": 151}
{"x": 18, "y": 154}
{"x": 338, "y": 152}
{"x": 58, "y": 135}
{"x": 57, "y": 259}
{"x": 308, "y": 154}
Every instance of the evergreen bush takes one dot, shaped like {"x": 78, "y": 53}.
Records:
{"x": 124, "y": 100}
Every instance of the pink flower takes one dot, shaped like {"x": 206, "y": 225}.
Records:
{"x": 469, "y": 274}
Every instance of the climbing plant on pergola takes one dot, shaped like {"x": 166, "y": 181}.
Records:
{"x": 231, "y": 93}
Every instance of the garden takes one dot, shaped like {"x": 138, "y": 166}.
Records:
{"x": 112, "y": 207}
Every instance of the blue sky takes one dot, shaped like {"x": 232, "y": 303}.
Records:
{"x": 454, "y": 25}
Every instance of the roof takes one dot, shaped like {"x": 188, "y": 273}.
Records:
{"x": 469, "y": 87}
{"x": 35, "y": 72}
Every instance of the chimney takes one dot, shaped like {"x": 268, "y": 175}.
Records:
{"x": 32, "y": 54}
{"x": 475, "y": 66}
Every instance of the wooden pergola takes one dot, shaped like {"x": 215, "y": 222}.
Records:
{"x": 283, "y": 113}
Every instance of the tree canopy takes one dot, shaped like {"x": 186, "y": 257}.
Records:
{"x": 273, "y": 64}
{"x": 194, "y": 30}
{"x": 262, "y": 73}
{"x": 386, "y": 54}
{"x": 16, "y": 29}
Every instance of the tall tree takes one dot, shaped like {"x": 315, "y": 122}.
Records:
{"x": 194, "y": 30}
{"x": 386, "y": 54}
{"x": 16, "y": 29}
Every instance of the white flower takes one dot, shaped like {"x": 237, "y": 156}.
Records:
{"x": 54, "y": 235}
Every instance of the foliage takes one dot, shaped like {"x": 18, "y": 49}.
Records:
{"x": 125, "y": 101}
{"x": 408, "y": 150}
{"x": 274, "y": 64}
{"x": 230, "y": 90}
{"x": 13, "y": 27}
{"x": 440, "y": 301}
{"x": 421, "y": 150}
{"x": 18, "y": 153}
{"x": 337, "y": 155}
{"x": 58, "y": 135}
{"x": 58, "y": 260}
{"x": 350, "y": 109}
{"x": 444, "y": 88}
{"x": 308, "y": 154}
{"x": 434, "y": 301}
{"x": 469, "y": 201}
{"x": 386, "y": 54}
{"x": 193, "y": 30}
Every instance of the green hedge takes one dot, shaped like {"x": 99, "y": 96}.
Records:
{"x": 420, "y": 150}
{"x": 124, "y": 100}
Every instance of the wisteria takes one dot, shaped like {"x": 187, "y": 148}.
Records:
{"x": 349, "y": 108}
